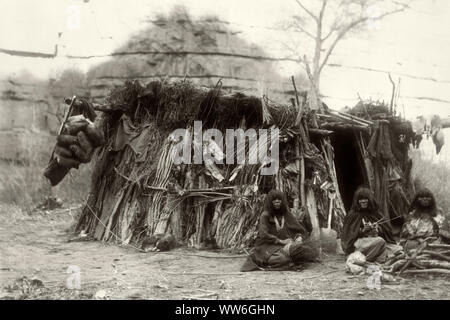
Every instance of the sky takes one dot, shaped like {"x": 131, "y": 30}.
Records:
{"x": 413, "y": 46}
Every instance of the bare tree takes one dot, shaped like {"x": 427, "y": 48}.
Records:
{"x": 326, "y": 22}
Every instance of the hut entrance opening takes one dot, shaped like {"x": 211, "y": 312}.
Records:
{"x": 349, "y": 164}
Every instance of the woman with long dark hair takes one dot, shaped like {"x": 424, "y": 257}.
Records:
{"x": 363, "y": 229}
{"x": 421, "y": 223}
{"x": 281, "y": 239}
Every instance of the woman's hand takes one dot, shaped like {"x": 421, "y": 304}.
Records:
{"x": 373, "y": 232}
{"x": 367, "y": 227}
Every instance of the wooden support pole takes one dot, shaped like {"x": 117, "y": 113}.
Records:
{"x": 299, "y": 150}
{"x": 343, "y": 126}
{"x": 200, "y": 212}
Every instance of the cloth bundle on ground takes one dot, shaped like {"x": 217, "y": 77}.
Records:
{"x": 281, "y": 239}
{"x": 79, "y": 138}
{"x": 355, "y": 263}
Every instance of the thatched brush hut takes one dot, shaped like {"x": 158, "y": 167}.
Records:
{"x": 138, "y": 189}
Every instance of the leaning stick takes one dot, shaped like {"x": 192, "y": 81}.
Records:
{"x": 300, "y": 161}
{"x": 61, "y": 128}
{"x": 299, "y": 115}
{"x": 302, "y": 180}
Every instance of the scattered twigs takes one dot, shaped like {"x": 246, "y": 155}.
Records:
{"x": 439, "y": 246}
{"x": 434, "y": 270}
{"x": 435, "y": 264}
{"x": 436, "y": 254}
{"x": 392, "y": 260}
{"x": 415, "y": 254}
{"x": 396, "y": 265}
{"x": 425, "y": 257}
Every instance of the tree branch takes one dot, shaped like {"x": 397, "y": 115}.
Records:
{"x": 306, "y": 10}
{"x": 297, "y": 26}
{"x": 293, "y": 51}
{"x": 333, "y": 28}
{"x": 322, "y": 10}
{"x": 352, "y": 25}
{"x": 320, "y": 20}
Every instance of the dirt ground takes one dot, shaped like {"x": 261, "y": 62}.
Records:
{"x": 36, "y": 254}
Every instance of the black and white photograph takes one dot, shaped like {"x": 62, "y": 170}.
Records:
{"x": 224, "y": 155}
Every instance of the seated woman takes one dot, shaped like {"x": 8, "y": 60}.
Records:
{"x": 279, "y": 243}
{"x": 361, "y": 230}
{"x": 421, "y": 222}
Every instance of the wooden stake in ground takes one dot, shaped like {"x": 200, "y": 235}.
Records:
{"x": 328, "y": 236}
{"x": 300, "y": 160}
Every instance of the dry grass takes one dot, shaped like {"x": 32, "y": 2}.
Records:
{"x": 435, "y": 175}
{"x": 23, "y": 184}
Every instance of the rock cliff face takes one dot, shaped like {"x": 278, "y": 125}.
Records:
{"x": 21, "y": 106}
{"x": 30, "y": 114}
{"x": 173, "y": 47}
{"x": 177, "y": 47}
